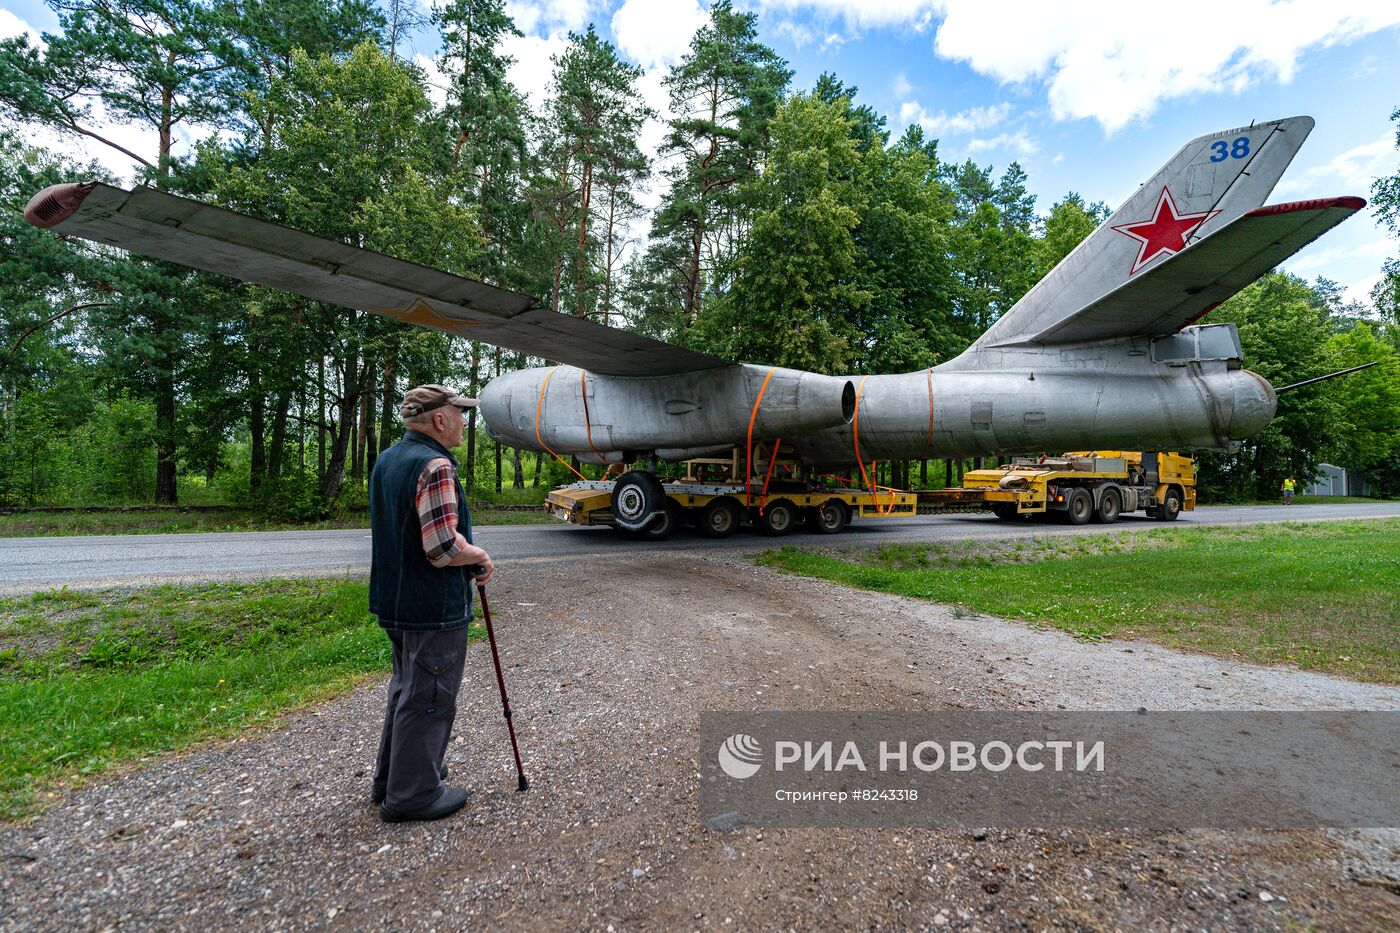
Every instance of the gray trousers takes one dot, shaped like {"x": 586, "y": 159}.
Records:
{"x": 418, "y": 718}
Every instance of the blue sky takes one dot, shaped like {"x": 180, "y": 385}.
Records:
{"x": 1089, "y": 96}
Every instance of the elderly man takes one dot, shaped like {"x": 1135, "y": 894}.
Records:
{"x": 420, "y": 578}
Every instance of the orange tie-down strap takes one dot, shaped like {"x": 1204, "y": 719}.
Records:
{"x": 748, "y": 442}
{"x": 587, "y": 419}
{"x": 867, "y": 477}
{"x": 539, "y": 407}
{"x": 772, "y": 461}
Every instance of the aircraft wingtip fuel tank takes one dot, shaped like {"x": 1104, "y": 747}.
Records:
{"x": 1105, "y": 351}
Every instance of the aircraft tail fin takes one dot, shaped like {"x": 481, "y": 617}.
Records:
{"x": 1211, "y": 182}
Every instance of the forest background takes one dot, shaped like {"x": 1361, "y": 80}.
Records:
{"x": 793, "y": 229}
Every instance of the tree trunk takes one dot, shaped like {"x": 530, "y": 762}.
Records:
{"x": 334, "y": 477}
{"x": 475, "y": 390}
{"x": 608, "y": 263}
{"x": 301, "y": 427}
{"x": 1261, "y": 490}
{"x": 387, "y": 407}
{"x": 581, "y": 260}
{"x": 923, "y": 474}
{"x": 557, "y": 285}
{"x": 279, "y": 434}
{"x": 257, "y": 436}
{"x": 371, "y": 443}
{"x": 165, "y": 419}
{"x": 321, "y": 418}
{"x": 356, "y": 455}
{"x": 518, "y": 481}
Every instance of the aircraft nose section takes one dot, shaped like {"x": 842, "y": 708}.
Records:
{"x": 1255, "y": 404}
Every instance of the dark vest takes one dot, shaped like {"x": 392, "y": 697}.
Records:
{"x": 405, "y": 591}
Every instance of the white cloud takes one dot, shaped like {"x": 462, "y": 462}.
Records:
{"x": 1019, "y": 143}
{"x": 900, "y": 86}
{"x": 1115, "y": 62}
{"x": 11, "y": 25}
{"x": 796, "y": 33}
{"x": 964, "y": 121}
{"x": 915, "y": 14}
{"x": 437, "y": 82}
{"x": 1323, "y": 259}
{"x": 1350, "y": 172}
{"x": 1360, "y": 291}
{"x": 554, "y": 16}
{"x": 533, "y": 68}
{"x": 655, "y": 33}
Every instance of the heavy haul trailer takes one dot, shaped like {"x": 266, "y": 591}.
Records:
{"x": 710, "y": 498}
{"x": 1080, "y": 486}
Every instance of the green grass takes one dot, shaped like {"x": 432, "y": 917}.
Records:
{"x": 90, "y": 680}
{"x": 1321, "y": 596}
{"x": 126, "y": 522}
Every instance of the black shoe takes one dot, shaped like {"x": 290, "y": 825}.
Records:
{"x": 451, "y": 800}
{"x": 378, "y": 796}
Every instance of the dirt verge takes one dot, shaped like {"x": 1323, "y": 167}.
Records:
{"x": 609, "y": 664}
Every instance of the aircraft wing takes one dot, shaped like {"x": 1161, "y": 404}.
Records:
{"x": 1191, "y": 283}
{"x": 213, "y": 239}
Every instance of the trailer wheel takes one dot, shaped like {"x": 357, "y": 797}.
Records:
{"x": 636, "y": 498}
{"x": 778, "y": 518}
{"x": 1109, "y": 507}
{"x": 829, "y": 518}
{"x": 1079, "y": 506}
{"x": 719, "y": 518}
{"x": 1005, "y": 511}
{"x": 1170, "y": 507}
{"x": 662, "y": 526}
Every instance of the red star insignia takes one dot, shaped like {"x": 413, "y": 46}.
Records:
{"x": 1166, "y": 232}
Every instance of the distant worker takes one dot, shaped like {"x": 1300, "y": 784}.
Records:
{"x": 1288, "y": 486}
{"x": 420, "y": 581}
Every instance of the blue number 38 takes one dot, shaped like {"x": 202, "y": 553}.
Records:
{"x": 1220, "y": 151}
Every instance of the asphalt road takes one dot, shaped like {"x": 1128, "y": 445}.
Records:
{"x": 28, "y": 564}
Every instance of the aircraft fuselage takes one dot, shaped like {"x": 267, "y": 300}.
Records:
{"x": 1188, "y": 391}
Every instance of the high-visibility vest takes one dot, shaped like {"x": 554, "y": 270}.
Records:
{"x": 1288, "y": 485}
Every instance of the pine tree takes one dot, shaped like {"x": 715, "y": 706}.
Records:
{"x": 723, "y": 96}
{"x": 794, "y": 299}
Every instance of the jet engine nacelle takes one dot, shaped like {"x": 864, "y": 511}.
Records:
{"x": 612, "y": 419}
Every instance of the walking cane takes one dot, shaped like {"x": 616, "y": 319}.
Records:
{"x": 501, "y": 682}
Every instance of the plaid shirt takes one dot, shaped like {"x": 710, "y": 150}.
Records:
{"x": 436, "y": 501}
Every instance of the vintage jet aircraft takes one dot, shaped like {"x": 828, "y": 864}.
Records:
{"x": 1101, "y": 353}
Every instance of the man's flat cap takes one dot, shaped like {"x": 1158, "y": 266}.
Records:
{"x": 426, "y": 398}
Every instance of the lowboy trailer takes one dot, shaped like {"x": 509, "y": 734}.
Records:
{"x": 710, "y": 498}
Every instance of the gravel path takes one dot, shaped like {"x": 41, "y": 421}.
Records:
{"x": 608, "y": 675}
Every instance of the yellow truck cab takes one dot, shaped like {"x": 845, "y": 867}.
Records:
{"x": 1080, "y": 486}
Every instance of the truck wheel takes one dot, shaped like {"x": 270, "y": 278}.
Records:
{"x": 1170, "y": 507}
{"x": 662, "y": 526}
{"x": 1109, "y": 507}
{"x": 636, "y": 498}
{"x": 778, "y": 518}
{"x": 719, "y": 518}
{"x": 829, "y": 518}
{"x": 1079, "y": 506}
{"x": 1005, "y": 511}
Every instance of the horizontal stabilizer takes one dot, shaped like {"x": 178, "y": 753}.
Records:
{"x": 1211, "y": 181}
{"x": 1190, "y": 284}
{"x": 212, "y": 239}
